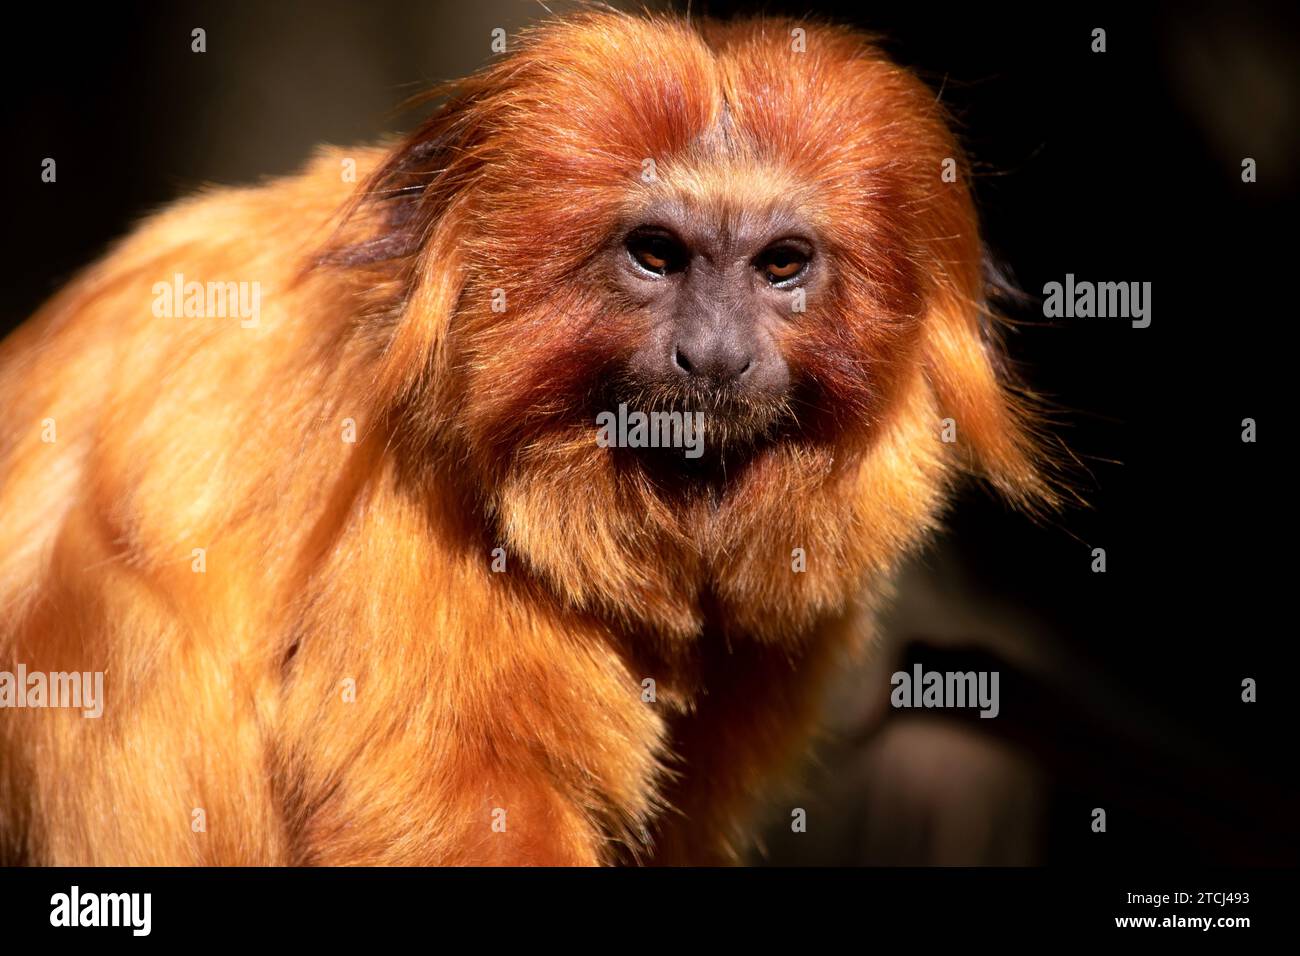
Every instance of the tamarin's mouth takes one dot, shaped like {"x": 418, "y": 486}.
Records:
{"x": 688, "y": 438}
{"x": 711, "y": 468}
{"x": 723, "y": 416}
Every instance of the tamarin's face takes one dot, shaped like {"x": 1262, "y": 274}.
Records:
{"x": 733, "y": 283}
{"x": 714, "y": 289}
{"x": 762, "y": 224}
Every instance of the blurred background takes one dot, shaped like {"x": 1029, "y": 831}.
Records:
{"x": 1120, "y": 690}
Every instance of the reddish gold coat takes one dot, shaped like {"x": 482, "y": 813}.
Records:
{"x": 329, "y": 560}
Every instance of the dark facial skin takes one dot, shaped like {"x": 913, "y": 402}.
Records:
{"x": 717, "y": 294}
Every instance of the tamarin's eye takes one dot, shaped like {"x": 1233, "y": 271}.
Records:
{"x": 656, "y": 252}
{"x": 781, "y": 263}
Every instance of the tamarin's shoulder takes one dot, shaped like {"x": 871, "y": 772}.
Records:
{"x": 185, "y": 371}
{"x": 265, "y": 232}
{"x": 304, "y": 205}
{"x": 194, "y": 258}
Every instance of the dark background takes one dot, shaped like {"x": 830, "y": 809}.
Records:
{"x": 1119, "y": 690}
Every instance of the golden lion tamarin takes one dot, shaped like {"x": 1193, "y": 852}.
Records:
{"x": 311, "y": 473}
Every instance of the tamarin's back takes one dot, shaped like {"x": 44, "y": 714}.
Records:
{"x": 145, "y": 456}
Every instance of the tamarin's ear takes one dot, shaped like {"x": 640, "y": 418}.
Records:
{"x": 407, "y": 232}
{"x": 997, "y": 425}
{"x": 404, "y": 234}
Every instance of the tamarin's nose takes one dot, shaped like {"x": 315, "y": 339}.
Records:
{"x": 716, "y": 357}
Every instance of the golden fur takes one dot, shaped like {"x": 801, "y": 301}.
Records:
{"x": 329, "y": 560}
